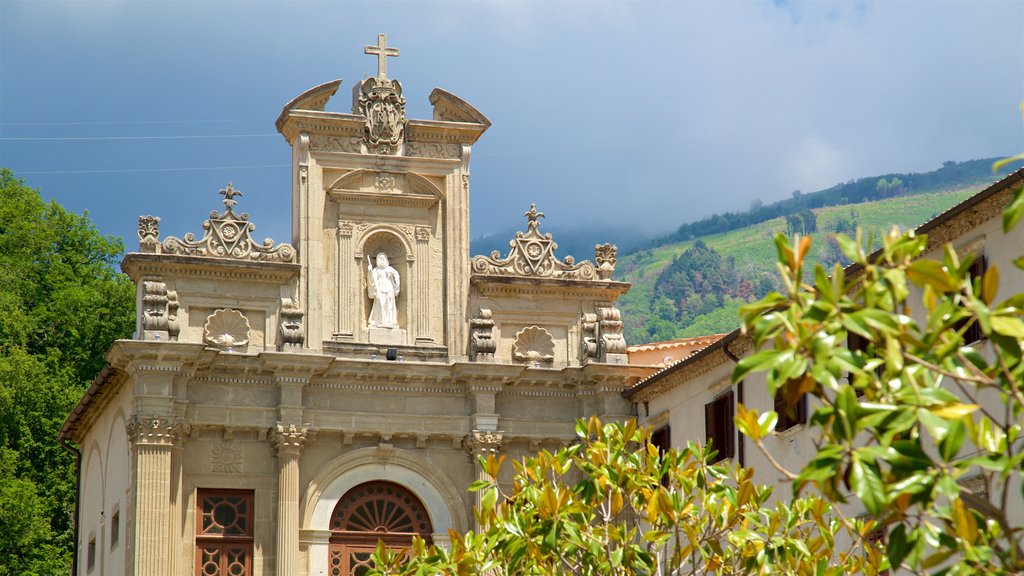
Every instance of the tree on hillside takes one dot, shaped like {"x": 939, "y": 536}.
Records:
{"x": 915, "y": 409}
{"x": 61, "y": 305}
{"x": 613, "y": 504}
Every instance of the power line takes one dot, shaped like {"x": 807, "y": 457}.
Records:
{"x": 192, "y": 137}
{"x": 131, "y": 122}
{"x": 184, "y": 169}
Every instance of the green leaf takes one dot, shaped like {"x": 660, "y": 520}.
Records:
{"x": 867, "y": 485}
{"x": 931, "y": 273}
{"x": 1007, "y": 326}
{"x": 899, "y": 545}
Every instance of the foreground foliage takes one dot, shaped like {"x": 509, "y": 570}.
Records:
{"x": 905, "y": 419}
{"x": 612, "y": 504}
{"x": 61, "y": 305}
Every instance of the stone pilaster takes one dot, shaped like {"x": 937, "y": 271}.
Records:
{"x": 153, "y": 444}
{"x": 288, "y": 442}
{"x": 481, "y": 444}
{"x": 422, "y": 302}
{"x": 346, "y": 290}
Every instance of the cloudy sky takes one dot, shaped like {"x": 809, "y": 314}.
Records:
{"x": 637, "y": 114}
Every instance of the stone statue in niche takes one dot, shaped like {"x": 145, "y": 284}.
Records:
{"x": 384, "y": 286}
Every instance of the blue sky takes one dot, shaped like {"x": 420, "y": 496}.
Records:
{"x": 638, "y": 114}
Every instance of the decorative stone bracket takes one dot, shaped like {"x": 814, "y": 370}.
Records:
{"x": 482, "y": 343}
{"x": 602, "y": 337}
{"x": 155, "y": 313}
{"x": 292, "y": 334}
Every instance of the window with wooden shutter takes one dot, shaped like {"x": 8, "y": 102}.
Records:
{"x": 662, "y": 440}
{"x": 976, "y": 271}
{"x": 789, "y": 416}
{"x": 224, "y": 529}
{"x": 718, "y": 426}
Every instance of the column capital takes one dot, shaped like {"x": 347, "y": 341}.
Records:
{"x": 288, "y": 440}
{"x": 484, "y": 442}
{"x": 156, "y": 430}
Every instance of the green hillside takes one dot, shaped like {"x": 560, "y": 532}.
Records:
{"x": 675, "y": 297}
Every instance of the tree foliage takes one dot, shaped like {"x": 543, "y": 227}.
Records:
{"x": 902, "y": 420}
{"x": 61, "y": 305}
{"x": 612, "y": 504}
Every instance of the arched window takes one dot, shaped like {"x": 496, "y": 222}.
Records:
{"x": 372, "y": 512}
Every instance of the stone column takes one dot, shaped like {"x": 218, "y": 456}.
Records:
{"x": 481, "y": 444}
{"x": 346, "y": 289}
{"x": 288, "y": 441}
{"x": 153, "y": 440}
{"x": 422, "y": 302}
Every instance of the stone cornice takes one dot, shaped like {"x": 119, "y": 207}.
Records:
{"x": 407, "y": 200}
{"x": 551, "y": 288}
{"x": 138, "y": 265}
{"x": 293, "y": 122}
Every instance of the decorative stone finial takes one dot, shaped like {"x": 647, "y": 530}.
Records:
{"x": 229, "y": 194}
{"x": 532, "y": 215}
{"x": 382, "y": 51}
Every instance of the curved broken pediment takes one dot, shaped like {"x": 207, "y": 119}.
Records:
{"x": 313, "y": 99}
{"x": 451, "y": 108}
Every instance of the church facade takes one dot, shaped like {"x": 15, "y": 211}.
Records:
{"x": 284, "y": 406}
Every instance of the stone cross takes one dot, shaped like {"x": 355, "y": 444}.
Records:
{"x": 382, "y": 51}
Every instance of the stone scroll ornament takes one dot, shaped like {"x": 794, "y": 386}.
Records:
{"x": 292, "y": 335}
{"x": 533, "y": 255}
{"x": 228, "y": 235}
{"x": 154, "y": 306}
{"x": 610, "y": 329}
{"x": 482, "y": 343}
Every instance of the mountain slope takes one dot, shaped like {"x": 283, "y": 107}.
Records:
{"x": 659, "y": 308}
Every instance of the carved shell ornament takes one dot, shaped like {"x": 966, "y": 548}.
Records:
{"x": 533, "y": 255}
{"x": 533, "y": 343}
{"x": 228, "y": 235}
{"x": 225, "y": 328}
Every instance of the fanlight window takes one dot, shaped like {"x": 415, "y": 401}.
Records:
{"x": 372, "y": 512}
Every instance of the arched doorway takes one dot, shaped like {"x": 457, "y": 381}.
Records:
{"x": 372, "y": 512}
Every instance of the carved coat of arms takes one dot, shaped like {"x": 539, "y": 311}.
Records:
{"x": 381, "y": 102}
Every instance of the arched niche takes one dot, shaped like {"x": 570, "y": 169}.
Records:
{"x": 394, "y": 243}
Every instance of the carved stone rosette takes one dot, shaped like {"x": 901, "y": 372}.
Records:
{"x": 482, "y": 342}
{"x": 149, "y": 233}
{"x": 292, "y": 335}
{"x": 228, "y": 235}
{"x": 288, "y": 439}
{"x": 156, "y": 430}
{"x": 605, "y": 256}
{"x": 484, "y": 442}
{"x": 533, "y": 255}
{"x": 380, "y": 101}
